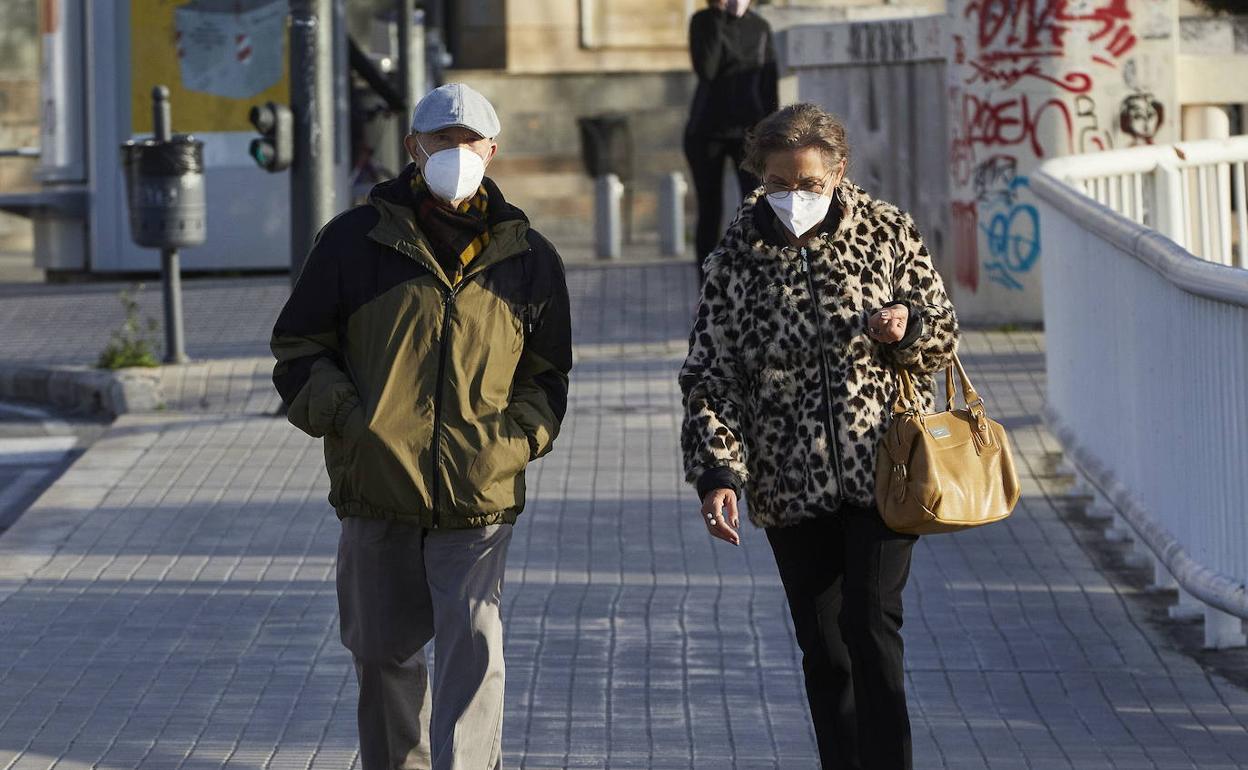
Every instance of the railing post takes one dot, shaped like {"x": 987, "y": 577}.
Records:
{"x": 1168, "y": 202}
{"x": 1222, "y": 630}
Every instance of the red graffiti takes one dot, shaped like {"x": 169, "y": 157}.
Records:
{"x": 1008, "y": 77}
{"x": 1114, "y": 21}
{"x": 1010, "y": 122}
{"x": 1029, "y": 25}
{"x": 1038, "y": 28}
{"x": 966, "y": 244}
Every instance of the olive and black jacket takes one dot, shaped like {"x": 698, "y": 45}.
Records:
{"x": 431, "y": 397}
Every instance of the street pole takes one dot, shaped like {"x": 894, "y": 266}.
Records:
{"x": 312, "y": 199}
{"x": 435, "y": 39}
{"x": 408, "y": 70}
{"x": 170, "y": 267}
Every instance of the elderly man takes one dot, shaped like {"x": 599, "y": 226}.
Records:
{"x": 428, "y": 341}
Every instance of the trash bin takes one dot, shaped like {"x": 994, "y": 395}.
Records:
{"x": 607, "y": 145}
{"x": 165, "y": 190}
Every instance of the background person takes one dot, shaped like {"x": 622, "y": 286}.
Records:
{"x": 816, "y": 293}
{"x": 735, "y": 62}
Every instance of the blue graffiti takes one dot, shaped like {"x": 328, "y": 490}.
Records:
{"x": 1013, "y": 240}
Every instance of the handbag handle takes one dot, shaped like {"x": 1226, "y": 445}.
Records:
{"x": 970, "y": 397}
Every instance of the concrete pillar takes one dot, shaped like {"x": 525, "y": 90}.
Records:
{"x": 1188, "y": 607}
{"x": 1022, "y": 91}
{"x": 1223, "y": 631}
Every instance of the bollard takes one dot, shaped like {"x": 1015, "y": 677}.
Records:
{"x": 608, "y": 192}
{"x": 672, "y": 191}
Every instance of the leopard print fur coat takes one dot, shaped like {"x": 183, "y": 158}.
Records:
{"x": 756, "y": 390}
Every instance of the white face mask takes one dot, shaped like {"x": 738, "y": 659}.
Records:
{"x": 737, "y": 7}
{"x": 454, "y": 174}
{"x": 800, "y": 210}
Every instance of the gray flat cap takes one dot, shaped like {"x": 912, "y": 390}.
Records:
{"x": 455, "y": 104}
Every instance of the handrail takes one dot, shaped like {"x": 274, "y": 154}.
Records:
{"x": 1131, "y": 160}
{"x": 1160, "y": 437}
{"x": 1180, "y": 267}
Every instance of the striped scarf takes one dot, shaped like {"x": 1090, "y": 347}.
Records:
{"x": 458, "y": 235}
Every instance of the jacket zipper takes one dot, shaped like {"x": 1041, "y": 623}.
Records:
{"x": 448, "y": 303}
{"x": 826, "y": 378}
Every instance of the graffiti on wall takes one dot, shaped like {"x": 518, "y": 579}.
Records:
{"x": 1031, "y": 80}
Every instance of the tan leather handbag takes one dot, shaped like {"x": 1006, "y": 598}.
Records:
{"x": 946, "y": 471}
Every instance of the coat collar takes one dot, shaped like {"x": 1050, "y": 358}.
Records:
{"x": 757, "y": 226}
{"x": 397, "y": 227}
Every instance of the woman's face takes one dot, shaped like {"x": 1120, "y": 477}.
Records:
{"x": 803, "y": 168}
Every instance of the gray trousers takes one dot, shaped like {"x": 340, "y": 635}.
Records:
{"x": 400, "y": 586}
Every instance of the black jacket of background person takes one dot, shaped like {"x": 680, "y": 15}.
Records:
{"x": 735, "y": 62}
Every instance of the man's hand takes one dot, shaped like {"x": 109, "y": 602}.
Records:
{"x": 720, "y": 525}
{"x": 888, "y": 325}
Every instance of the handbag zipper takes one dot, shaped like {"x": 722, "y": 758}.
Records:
{"x": 825, "y": 379}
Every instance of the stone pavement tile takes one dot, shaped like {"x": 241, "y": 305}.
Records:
{"x": 172, "y": 604}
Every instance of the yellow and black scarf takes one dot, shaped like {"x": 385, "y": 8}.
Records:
{"x": 456, "y": 235}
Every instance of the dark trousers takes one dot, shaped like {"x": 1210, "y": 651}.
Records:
{"x": 843, "y": 576}
{"x": 706, "y": 164}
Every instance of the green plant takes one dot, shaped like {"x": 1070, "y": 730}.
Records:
{"x": 130, "y": 345}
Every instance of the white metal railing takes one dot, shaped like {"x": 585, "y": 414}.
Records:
{"x": 1147, "y": 362}
{"x": 1192, "y": 192}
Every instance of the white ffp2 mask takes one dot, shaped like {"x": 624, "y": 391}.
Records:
{"x": 800, "y": 210}
{"x": 454, "y": 174}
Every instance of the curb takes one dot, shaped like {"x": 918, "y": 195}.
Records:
{"x": 81, "y": 389}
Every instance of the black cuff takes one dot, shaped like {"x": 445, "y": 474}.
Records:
{"x": 719, "y": 477}
{"x": 914, "y": 326}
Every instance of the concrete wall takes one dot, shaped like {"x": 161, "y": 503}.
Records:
{"x": 886, "y": 81}
{"x": 1022, "y": 83}
{"x": 563, "y": 36}
{"x": 539, "y": 163}
{"x": 1210, "y": 50}
{"x": 1027, "y": 83}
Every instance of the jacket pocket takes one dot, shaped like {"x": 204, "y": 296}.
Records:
{"x": 501, "y": 459}
{"x": 340, "y": 454}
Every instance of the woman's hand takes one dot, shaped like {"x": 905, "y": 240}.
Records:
{"x": 720, "y": 525}
{"x": 888, "y": 325}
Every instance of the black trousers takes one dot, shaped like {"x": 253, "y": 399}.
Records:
{"x": 843, "y": 576}
{"x": 706, "y": 164}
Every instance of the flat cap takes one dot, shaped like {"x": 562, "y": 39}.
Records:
{"x": 455, "y": 104}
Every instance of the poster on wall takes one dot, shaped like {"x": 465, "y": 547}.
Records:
{"x": 218, "y": 58}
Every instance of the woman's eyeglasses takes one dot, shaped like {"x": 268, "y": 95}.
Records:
{"x": 780, "y": 192}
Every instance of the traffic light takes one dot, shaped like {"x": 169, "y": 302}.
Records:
{"x": 275, "y": 148}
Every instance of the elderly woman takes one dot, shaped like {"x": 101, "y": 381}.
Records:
{"x": 812, "y": 300}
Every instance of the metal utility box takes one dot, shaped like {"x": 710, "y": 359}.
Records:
{"x": 218, "y": 57}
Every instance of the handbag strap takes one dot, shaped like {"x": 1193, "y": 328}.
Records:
{"x": 907, "y": 397}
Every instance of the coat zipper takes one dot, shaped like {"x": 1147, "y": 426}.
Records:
{"x": 435, "y": 455}
{"x": 448, "y": 303}
{"x": 826, "y": 378}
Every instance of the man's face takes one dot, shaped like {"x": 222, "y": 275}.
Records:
{"x": 446, "y": 139}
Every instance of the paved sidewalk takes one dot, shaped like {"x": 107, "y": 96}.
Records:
{"x": 169, "y": 603}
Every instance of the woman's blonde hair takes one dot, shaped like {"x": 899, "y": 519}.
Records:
{"x": 792, "y": 128}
